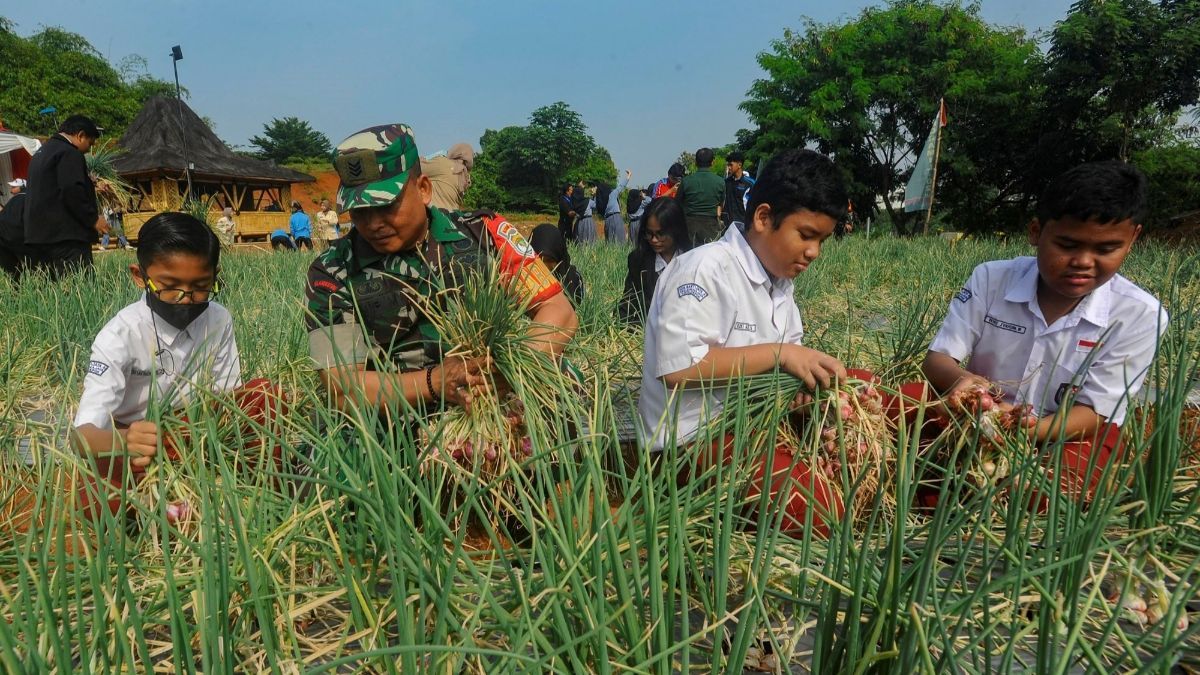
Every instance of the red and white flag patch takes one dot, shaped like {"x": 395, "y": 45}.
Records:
{"x": 1086, "y": 345}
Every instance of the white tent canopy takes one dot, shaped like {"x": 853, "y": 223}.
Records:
{"x": 10, "y": 141}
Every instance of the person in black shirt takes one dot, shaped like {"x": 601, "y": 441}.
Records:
{"x": 13, "y": 256}
{"x": 61, "y": 215}
{"x": 566, "y": 212}
{"x": 737, "y": 183}
{"x": 662, "y": 236}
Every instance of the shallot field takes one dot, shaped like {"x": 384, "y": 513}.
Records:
{"x": 533, "y": 534}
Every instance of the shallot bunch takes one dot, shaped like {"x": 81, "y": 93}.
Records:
{"x": 483, "y": 440}
{"x": 1147, "y": 605}
{"x": 854, "y": 430}
{"x": 981, "y": 411}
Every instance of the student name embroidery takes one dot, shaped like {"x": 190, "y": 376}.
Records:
{"x": 748, "y": 327}
{"x": 694, "y": 290}
{"x": 97, "y": 368}
{"x": 963, "y": 295}
{"x": 1004, "y": 325}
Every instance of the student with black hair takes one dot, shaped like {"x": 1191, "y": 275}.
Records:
{"x": 171, "y": 343}
{"x": 566, "y": 212}
{"x": 62, "y": 220}
{"x": 669, "y": 186}
{"x": 728, "y": 310}
{"x": 1060, "y": 331}
{"x": 663, "y": 236}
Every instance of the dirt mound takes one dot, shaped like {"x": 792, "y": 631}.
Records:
{"x": 310, "y": 194}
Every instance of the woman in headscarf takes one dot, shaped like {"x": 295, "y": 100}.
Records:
{"x": 614, "y": 223}
{"x": 585, "y": 227}
{"x": 636, "y": 202}
{"x": 550, "y": 246}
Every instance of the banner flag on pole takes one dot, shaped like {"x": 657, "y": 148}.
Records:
{"x": 919, "y": 191}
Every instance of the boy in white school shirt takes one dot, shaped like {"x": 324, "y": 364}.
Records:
{"x": 173, "y": 339}
{"x": 1062, "y": 331}
{"x": 727, "y": 309}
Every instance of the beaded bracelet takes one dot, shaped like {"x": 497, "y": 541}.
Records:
{"x": 429, "y": 381}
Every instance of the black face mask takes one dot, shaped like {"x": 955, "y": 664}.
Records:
{"x": 179, "y": 316}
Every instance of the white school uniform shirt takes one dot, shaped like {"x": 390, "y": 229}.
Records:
{"x": 1103, "y": 347}
{"x": 128, "y": 359}
{"x": 717, "y": 295}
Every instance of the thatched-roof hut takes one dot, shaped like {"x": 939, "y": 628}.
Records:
{"x": 153, "y": 161}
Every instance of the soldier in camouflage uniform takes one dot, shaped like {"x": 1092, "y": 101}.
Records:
{"x": 367, "y": 336}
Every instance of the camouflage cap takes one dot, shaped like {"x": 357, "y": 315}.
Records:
{"x": 373, "y": 165}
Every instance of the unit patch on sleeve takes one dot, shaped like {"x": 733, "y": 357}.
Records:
{"x": 97, "y": 368}
{"x": 694, "y": 290}
{"x": 963, "y": 295}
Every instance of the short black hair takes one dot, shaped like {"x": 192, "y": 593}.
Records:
{"x": 172, "y": 232}
{"x": 736, "y": 156}
{"x": 77, "y": 123}
{"x": 704, "y": 158}
{"x": 676, "y": 171}
{"x": 799, "y": 179}
{"x": 667, "y": 212}
{"x": 1105, "y": 192}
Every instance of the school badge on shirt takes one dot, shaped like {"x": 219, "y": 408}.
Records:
{"x": 695, "y": 290}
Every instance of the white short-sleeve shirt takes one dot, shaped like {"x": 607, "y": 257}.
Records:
{"x": 1102, "y": 349}
{"x": 717, "y": 295}
{"x": 137, "y": 353}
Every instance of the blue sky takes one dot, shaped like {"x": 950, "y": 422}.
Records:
{"x": 649, "y": 78}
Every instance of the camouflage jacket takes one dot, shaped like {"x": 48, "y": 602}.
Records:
{"x": 361, "y": 308}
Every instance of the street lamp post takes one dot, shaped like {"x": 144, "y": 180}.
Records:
{"x": 176, "y": 57}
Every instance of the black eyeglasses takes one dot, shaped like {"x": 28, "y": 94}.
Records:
{"x": 657, "y": 235}
{"x": 175, "y": 296}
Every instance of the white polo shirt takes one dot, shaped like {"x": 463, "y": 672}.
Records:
{"x": 1103, "y": 347}
{"x": 128, "y": 359}
{"x": 717, "y": 295}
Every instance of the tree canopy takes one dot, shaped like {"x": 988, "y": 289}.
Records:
{"x": 291, "y": 139}
{"x": 523, "y": 167}
{"x": 866, "y": 93}
{"x": 59, "y": 69}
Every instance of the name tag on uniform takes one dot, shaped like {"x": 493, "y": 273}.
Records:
{"x": 748, "y": 327}
{"x": 1004, "y": 325}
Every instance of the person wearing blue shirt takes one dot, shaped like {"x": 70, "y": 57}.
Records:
{"x": 280, "y": 239}
{"x": 301, "y": 226}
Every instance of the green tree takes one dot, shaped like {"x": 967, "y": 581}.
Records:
{"x": 865, "y": 92}
{"x": 556, "y": 141}
{"x": 523, "y": 167}
{"x": 291, "y": 140}
{"x": 61, "y": 69}
{"x": 1173, "y": 170}
{"x": 1120, "y": 72}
